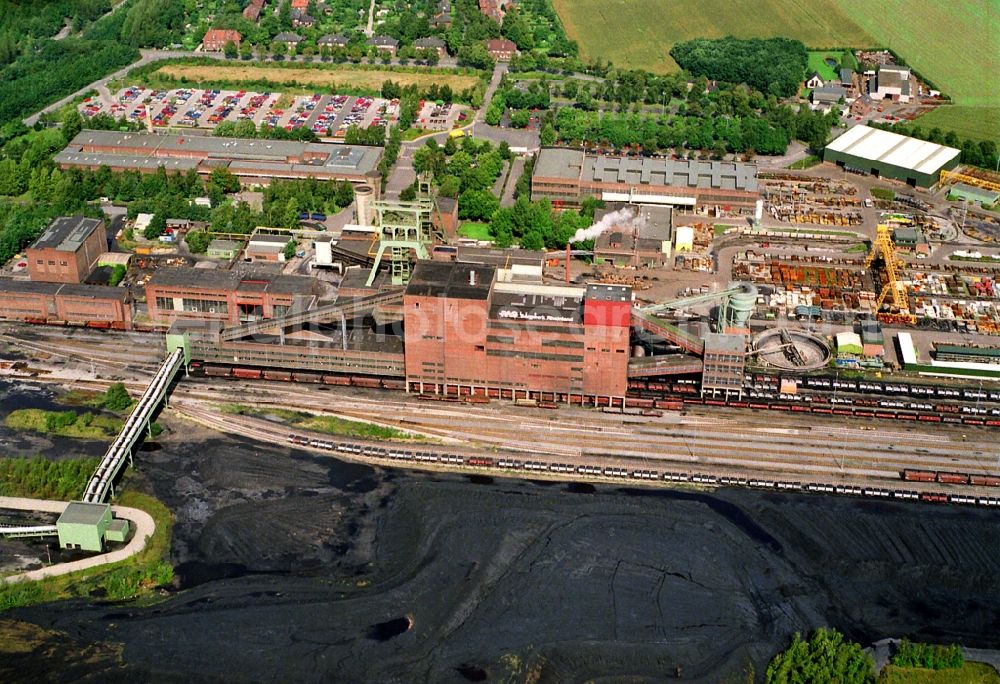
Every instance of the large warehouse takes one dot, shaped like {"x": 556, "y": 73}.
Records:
{"x": 253, "y": 161}
{"x": 890, "y": 155}
{"x": 568, "y": 176}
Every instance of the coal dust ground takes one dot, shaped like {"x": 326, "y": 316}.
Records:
{"x": 299, "y": 567}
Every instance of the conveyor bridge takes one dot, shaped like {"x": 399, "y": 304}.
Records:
{"x": 322, "y": 314}
{"x": 101, "y": 483}
{"x": 647, "y": 366}
{"x": 667, "y": 331}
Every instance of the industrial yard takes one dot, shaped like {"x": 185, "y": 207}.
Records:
{"x": 525, "y": 366}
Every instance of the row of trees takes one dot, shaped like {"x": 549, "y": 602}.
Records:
{"x": 930, "y": 656}
{"x": 750, "y": 134}
{"x": 246, "y": 128}
{"x": 390, "y": 88}
{"x": 534, "y": 225}
{"x": 774, "y": 65}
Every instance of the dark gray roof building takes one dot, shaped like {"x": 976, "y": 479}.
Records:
{"x": 248, "y": 158}
{"x": 387, "y": 42}
{"x": 67, "y": 233}
{"x": 451, "y": 279}
{"x": 286, "y": 37}
{"x": 430, "y": 43}
{"x": 335, "y": 40}
{"x": 829, "y": 94}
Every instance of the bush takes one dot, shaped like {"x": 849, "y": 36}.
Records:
{"x": 44, "y": 479}
{"x": 198, "y": 241}
{"x": 826, "y": 657}
{"x": 117, "y": 275}
{"x": 929, "y": 656}
{"x": 116, "y": 397}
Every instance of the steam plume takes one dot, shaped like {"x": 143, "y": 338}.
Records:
{"x": 622, "y": 217}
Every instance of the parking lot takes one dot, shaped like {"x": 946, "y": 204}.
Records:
{"x": 328, "y": 116}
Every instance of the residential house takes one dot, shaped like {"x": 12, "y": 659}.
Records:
{"x": 291, "y": 40}
{"x": 442, "y": 15}
{"x": 862, "y": 106}
{"x": 494, "y": 9}
{"x": 847, "y": 78}
{"x": 814, "y": 81}
{"x": 302, "y": 20}
{"x": 215, "y": 39}
{"x": 432, "y": 43}
{"x": 300, "y": 5}
{"x": 333, "y": 41}
{"x": 501, "y": 49}
{"x": 892, "y": 82}
{"x": 829, "y": 95}
{"x": 385, "y": 44}
{"x": 252, "y": 11}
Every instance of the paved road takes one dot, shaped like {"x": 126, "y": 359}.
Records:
{"x": 515, "y": 173}
{"x": 403, "y": 174}
{"x": 371, "y": 19}
{"x": 141, "y": 521}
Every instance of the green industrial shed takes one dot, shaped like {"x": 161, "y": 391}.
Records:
{"x": 890, "y": 155}
{"x": 83, "y": 525}
{"x": 87, "y": 526}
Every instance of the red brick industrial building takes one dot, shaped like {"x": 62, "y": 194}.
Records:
{"x": 253, "y": 161}
{"x": 231, "y": 297}
{"x": 567, "y": 177}
{"x": 71, "y": 303}
{"x": 468, "y": 331}
{"x": 67, "y": 250}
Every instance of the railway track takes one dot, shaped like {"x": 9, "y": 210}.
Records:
{"x": 637, "y": 471}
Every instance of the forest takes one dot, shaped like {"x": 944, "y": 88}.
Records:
{"x": 775, "y": 66}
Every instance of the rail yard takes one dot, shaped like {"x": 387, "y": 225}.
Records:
{"x": 691, "y": 443}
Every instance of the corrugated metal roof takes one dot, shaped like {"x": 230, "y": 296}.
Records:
{"x": 903, "y": 151}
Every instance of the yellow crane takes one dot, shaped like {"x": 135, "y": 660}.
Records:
{"x": 884, "y": 247}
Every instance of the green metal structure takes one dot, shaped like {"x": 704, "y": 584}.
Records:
{"x": 404, "y": 227}
{"x": 83, "y": 526}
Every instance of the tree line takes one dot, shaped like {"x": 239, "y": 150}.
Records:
{"x": 54, "y": 69}
{"x": 718, "y": 134}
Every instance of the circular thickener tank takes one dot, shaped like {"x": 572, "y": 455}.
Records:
{"x": 363, "y": 196}
{"x": 741, "y": 304}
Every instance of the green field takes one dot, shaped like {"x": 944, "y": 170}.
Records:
{"x": 954, "y": 44}
{"x": 639, "y": 33}
{"x": 817, "y": 63}
{"x": 970, "y": 673}
{"x": 475, "y": 230}
{"x": 977, "y": 123}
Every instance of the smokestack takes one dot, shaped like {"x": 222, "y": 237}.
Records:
{"x": 567, "y": 263}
